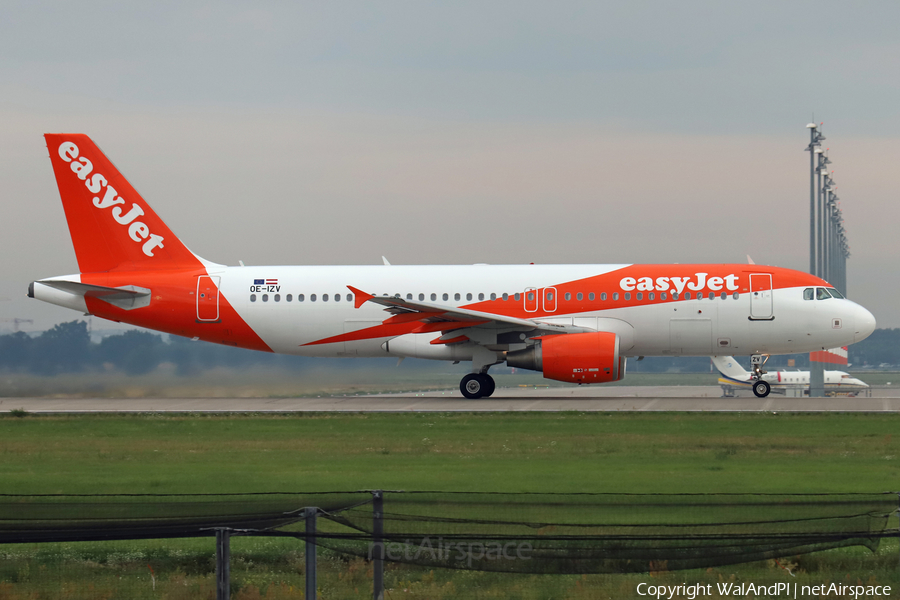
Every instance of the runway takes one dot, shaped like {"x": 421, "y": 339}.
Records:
{"x": 581, "y": 399}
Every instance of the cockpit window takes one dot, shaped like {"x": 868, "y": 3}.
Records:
{"x": 809, "y": 293}
{"x": 822, "y": 294}
{"x": 835, "y": 293}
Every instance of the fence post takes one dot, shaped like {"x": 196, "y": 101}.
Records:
{"x": 378, "y": 544}
{"x": 223, "y": 563}
{"x": 311, "y": 513}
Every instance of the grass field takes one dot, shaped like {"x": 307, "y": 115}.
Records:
{"x": 566, "y": 452}
{"x": 632, "y": 452}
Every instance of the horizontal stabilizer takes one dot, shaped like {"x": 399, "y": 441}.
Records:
{"x": 126, "y": 297}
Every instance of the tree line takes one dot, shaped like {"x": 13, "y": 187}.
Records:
{"x": 67, "y": 348}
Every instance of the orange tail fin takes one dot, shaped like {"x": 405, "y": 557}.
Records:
{"x": 111, "y": 225}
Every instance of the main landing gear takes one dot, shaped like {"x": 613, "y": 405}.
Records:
{"x": 477, "y": 385}
{"x": 761, "y": 388}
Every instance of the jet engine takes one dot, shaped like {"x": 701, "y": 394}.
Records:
{"x": 575, "y": 357}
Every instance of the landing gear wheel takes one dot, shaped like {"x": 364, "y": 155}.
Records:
{"x": 477, "y": 385}
{"x": 761, "y": 389}
{"x": 473, "y": 386}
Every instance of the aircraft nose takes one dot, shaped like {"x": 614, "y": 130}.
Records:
{"x": 864, "y": 323}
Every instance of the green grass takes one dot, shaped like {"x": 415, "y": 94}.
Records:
{"x": 628, "y": 452}
{"x": 563, "y": 452}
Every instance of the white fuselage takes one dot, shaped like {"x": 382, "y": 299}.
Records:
{"x": 695, "y": 327}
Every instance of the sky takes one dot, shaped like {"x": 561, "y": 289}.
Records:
{"x": 459, "y": 132}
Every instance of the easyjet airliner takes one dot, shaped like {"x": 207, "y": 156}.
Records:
{"x": 575, "y": 323}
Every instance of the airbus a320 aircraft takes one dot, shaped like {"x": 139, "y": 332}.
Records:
{"x": 575, "y": 323}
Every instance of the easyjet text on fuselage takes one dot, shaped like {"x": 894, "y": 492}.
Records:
{"x": 695, "y": 283}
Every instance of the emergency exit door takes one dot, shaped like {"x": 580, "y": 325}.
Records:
{"x": 761, "y": 296}
{"x": 207, "y": 298}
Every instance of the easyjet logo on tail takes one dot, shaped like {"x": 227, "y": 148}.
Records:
{"x": 696, "y": 283}
{"x": 95, "y": 182}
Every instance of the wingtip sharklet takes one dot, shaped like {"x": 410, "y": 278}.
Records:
{"x": 359, "y": 297}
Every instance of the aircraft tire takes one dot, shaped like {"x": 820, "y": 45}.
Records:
{"x": 473, "y": 386}
{"x": 489, "y": 386}
{"x": 761, "y": 389}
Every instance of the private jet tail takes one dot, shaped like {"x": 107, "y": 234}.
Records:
{"x": 730, "y": 369}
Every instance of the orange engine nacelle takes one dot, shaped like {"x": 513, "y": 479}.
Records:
{"x": 575, "y": 357}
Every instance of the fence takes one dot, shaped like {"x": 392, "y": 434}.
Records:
{"x": 522, "y": 533}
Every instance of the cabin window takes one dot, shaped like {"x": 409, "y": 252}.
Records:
{"x": 568, "y": 295}
{"x": 288, "y": 298}
{"x": 808, "y": 293}
{"x": 469, "y": 296}
{"x": 300, "y": 298}
{"x": 579, "y": 296}
{"x": 517, "y": 296}
{"x": 493, "y": 296}
{"x": 674, "y": 295}
{"x": 651, "y": 296}
{"x": 735, "y": 295}
{"x": 505, "y": 296}
{"x": 662, "y": 295}
{"x": 628, "y": 295}
{"x": 446, "y": 296}
{"x": 433, "y": 297}
{"x": 639, "y": 296}
{"x": 712, "y": 295}
{"x": 277, "y": 297}
{"x": 456, "y": 296}
{"x": 602, "y": 296}
{"x": 615, "y": 296}
{"x": 421, "y": 297}
{"x": 724, "y": 295}
{"x": 252, "y": 297}
{"x": 349, "y": 297}
{"x": 687, "y": 295}
{"x": 312, "y": 297}
{"x": 409, "y": 296}
{"x": 337, "y": 297}
{"x": 591, "y": 296}
{"x": 324, "y": 297}
{"x": 265, "y": 297}
{"x": 481, "y": 296}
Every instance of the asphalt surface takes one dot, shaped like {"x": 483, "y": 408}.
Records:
{"x": 584, "y": 399}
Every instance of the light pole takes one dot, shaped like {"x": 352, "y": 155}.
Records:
{"x": 815, "y": 137}
{"x": 816, "y": 369}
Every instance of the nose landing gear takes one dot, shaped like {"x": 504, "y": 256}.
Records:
{"x": 477, "y": 385}
{"x": 761, "y": 388}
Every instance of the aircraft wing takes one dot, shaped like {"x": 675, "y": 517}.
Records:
{"x": 409, "y": 310}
